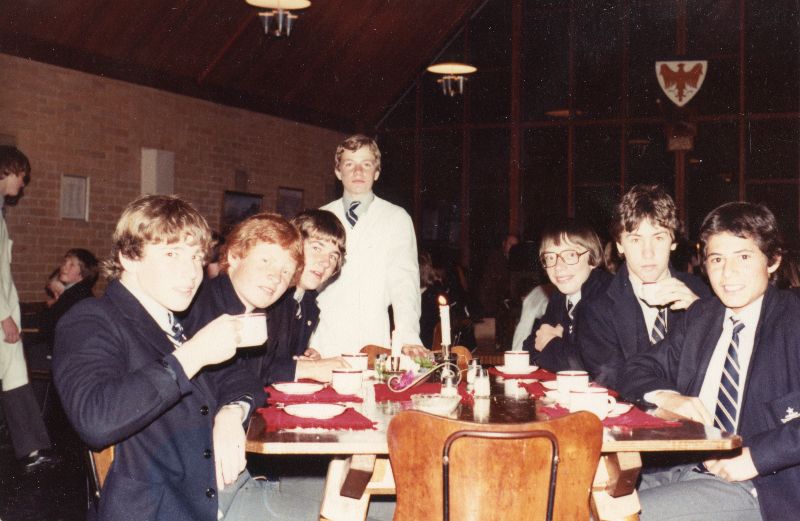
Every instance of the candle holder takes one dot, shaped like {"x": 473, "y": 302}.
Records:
{"x": 402, "y": 382}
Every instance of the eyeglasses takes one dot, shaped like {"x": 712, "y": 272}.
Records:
{"x": 570, "y": 257}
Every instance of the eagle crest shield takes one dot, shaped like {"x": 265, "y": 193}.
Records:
{"x": 681, "y": 80}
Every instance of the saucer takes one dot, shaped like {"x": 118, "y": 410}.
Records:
{"x": 522, "y": 370}
{"x": 298, "y": 387}
{"x": 317, "y": 411}
{"x": 619, "y": 409}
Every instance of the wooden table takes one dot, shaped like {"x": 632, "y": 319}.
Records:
{"x": 613, "y": 494}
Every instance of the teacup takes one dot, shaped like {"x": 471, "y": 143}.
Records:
{"x": 346, "y": 381}
{"x": 648, "y": 292}
{"x": 596, "y": 400}
{"x": 568, "y": 381}
{"x": 254, "y": 329}
{"x": 356, "y": 360}
{"x": 516, "y": 360}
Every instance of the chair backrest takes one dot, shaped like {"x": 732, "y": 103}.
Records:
{"x": 493, "y": 479}
{"x": 372, "y": 353}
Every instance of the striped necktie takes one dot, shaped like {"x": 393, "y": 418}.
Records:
{"x": 351, "y": 215}
{"x": 571, "y": 314}
{"x": 728, "y": 397}
{"x": 176, "y": 336}
{"x": 659, "y": 331}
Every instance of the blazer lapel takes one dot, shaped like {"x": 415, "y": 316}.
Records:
{"x": 708, "y": 343}
{"x": 147, "y": 330}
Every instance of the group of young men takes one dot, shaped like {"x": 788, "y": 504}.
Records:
{"x": 152, "y": 366}
{"x": 661, "y": 338}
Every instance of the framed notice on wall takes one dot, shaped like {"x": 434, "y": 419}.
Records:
{"x": 290, "y": 202}
{"x": 75, "y": 197}
{"x": 236, "y": 207}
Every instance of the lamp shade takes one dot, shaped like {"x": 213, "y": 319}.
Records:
{"x": 452, "y": 68}
{"x": 280, "y": 4}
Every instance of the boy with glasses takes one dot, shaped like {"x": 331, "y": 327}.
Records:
{"x": 572, "y": 256}
{"x": 645, "y": 296}
{"x": 732, "y": 361}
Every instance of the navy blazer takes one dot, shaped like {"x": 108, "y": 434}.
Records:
{"x": 289, "y": 325}
{"x": 612, "y": 326}
{"x": 120, "y": 384}
{"x": 561, "y": 353}
{"x": 768, "y": 419}
{"x": 50, "y": 316}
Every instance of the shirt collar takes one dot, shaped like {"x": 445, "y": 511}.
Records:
{"x": 365, "y": 200}
{"x": 749, "y": 315}
{"x": 158, "y": 312}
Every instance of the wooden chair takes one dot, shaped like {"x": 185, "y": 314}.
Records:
{"x": 535, "y": 470}
{"x": 98, "y": 464}
{"x": 372, "y": 353}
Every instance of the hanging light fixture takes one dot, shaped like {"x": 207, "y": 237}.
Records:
{"x": 277, "y": 16}
{"x": 453, "y": 76}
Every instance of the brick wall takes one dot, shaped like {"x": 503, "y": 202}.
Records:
{"x": 68, "y": 122}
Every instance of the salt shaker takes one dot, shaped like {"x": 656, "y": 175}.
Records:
{"x": 482, "y": 384}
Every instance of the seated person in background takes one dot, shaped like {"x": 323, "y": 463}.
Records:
{"x": 53, "y": 288}
{"x": 293, "y": 318}
{"x": 625, "y": 319}
{"x": 572, "y": 255}
{"x": 78, "y": 273}
{"x": 732, "y": 360}
{"x": 262, "y": 257}
{"x": 128, "y": 377}
{"x": 430, "y": 287}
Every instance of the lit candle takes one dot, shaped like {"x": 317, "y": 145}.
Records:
{"x": 444, "y": 315}
{"x": 397, "y": 345}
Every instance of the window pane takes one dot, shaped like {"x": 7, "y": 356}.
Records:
{"x": 545, "y": 44}
{"x": 652, "y": 38}
{"x": 598, "y": 58}
{"x": 595, "y": 205}
{"x": 488, "y": 191}
{"x": 711, "y": 172}
{"x": 781, "y": 199}
{"x": 648, "y": 158}
{"x": 396, "y": 182}
{"x": 441, "y": 185}
{"x": 544, "y": 178}
{"x": 596, "y": 154}
{"x": 773, "y": 149}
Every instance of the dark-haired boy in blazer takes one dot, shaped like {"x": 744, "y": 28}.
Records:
{"x": 732, "y": 361}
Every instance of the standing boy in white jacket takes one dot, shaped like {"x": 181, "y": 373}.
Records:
{"x": 380, "y": 268}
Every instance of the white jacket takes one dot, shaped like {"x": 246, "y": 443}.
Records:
{"x": 380, "y": 269}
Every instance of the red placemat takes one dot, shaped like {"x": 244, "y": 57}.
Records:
{"x": 635, "y": 418}
{"x": 325, "y": 395}
{"x": 277, "y": 419}
{"x": 383, "y": 394}
{"x": 539, "y": 374}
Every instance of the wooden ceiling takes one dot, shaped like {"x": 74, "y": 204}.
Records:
{"x": 345, "y": 64}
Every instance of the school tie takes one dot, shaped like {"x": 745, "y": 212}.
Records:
{"x": 570, "y": 314}
{"x": 176, "y": 336}
{"x": 352, "y": 218}
{"x": 728, "y": 397}
{"x": 659, "y": 331}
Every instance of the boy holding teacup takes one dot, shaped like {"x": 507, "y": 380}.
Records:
{"x": 732, "y": 361}
{"x": 261, "y": 258}
{"x": 626, "y": 319}
{"x": 572, "y": 256}
{"x": 127, "y": 376}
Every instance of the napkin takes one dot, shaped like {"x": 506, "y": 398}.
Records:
{"x": 635, "y": 418}
{"x": 539, "y": 374}
{"x": 383, "y": 394}
{"x": 325, "y": 395}
{"x": 277, "y": 419}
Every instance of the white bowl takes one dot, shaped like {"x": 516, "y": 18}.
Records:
{"x": 435, "y": 403}
{"x": 298, "y": 387}
{"x": 319, "y": 411}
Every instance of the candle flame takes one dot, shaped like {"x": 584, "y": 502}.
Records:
{"x": 442, "y": 300}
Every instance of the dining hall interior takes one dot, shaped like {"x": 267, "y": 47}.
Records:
{"x": 544, "y": 110}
